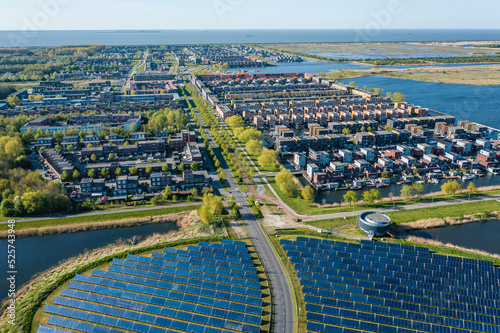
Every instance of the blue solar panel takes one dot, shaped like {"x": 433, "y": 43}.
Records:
{"x": 393, "y": 286}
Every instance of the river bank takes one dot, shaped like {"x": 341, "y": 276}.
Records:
{"x": 88, "y": 226}
{"x": 425, "y": 224}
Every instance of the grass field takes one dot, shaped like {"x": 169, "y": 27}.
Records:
{"x": 470, "y": 75}
{"x": 98, "y": 218}
{"x": 412, "y": 215}
{"x": 303, "y": 207}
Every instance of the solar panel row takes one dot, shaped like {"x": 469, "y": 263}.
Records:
{"x": 46, "y": 329}
{"x": 223, "y": 246}
{"x": 186, "y": 273}
{"x": 163, "y": 297}
{"x": 348, "y": 257}
{"x": 84, "y": 327}
{"x": 401, "y": 266}
{"x": 350, "y": 286}
{"x": 234, "y": 242}
{"x": 411, "y": 279}
{"x": 184, "y": 280}
{"x": 385, "y": 257}
{"x": 135, "y": 284}
{"x": 213, "y": 290}
{"x": 370, "y": 291}
{"x": 140, "y": 303}
{"x": 209, "y": 256}
{"x": 394, "y": 316}
{"x": 194, "y": 267}
{"x": 221, "y": 252}
{"x": 343, "y": 276}
{"x": 205, "y": 262}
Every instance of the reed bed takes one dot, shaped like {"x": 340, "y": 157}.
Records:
{"x": 451, "y": 246}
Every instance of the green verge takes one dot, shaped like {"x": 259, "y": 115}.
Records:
{"x": 98, "y": 218}
{"x": 412, "y": 215}
{"x": 28, "y": 304}
{"x": 304, "y": 207}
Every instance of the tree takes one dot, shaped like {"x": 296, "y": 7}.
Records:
{"x": 408, "y": 192}
{"x": 415, "y": 171}
{"x": 285, "y": 181}
{"x": 371, "y": 196}
{"x": 471, "y": 188}
{"x": 91, "y": 173}
{"x": 217, "y": 163}
{"x": 254, "y": 147}
{"x": 388, "y": 128}
{"x": 164, "y": 168}
{"x": 70, "y": 148}
{"x": 346, "y": 131}
{"x": 451, "y": 187}
{"x": 118, "y": 171}
{"x": 168, "y": 191}
{"x": 351, "y": 197}
{"x": 76, "y": 174}
{"x": 419, "y": 188}
{"x": 13, "y": 100}
{"x": 267, "y": 160}
{"x": 133, "y": 170}
{"x": 221, "y": 173}
{"x": 111, "y": 156}
{"x": 93, "y": 157}
{"x": 235, "y": 122}
{"x": 194, "y": 166}
{"x": 149, "y": 169}
{"x": 181, "y": 167}
{"x": 308, "y": 193}
{"x": 57, "y": 147}
{"x": 89, "y": 145}
{"x": 104, "y": 172}
{"x": 203, "y": 212}
{"x": 398, "y": 97}
{"x": 64, "y": 176}
{"x": 384, "y": 174}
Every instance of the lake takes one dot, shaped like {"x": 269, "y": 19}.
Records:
{"x": 466, "y": 102}
{"x": 480, "y": 235}
{"x": 156, "y": 37}
{"x": 39, "y": 253}
{"x": 329, "y": 197}
{"x": 306, "y": 66}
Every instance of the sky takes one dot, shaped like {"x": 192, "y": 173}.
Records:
{"x": 247, "y": 14}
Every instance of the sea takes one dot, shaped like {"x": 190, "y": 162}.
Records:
{"x": 40, "y": 38}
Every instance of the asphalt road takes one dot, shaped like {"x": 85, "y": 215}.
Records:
{"x": 283, "y": 314}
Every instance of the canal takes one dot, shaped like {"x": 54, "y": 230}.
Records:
{"x": 480, "y": 235}
{"x": 39, "y": 253}
{"x": 332, "y": 196}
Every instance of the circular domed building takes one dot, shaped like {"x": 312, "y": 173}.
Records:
{"x": 374, "y": 224}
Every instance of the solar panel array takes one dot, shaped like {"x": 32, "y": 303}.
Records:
{"x": 209, "y": 288}
{"x": 383, "y": 287}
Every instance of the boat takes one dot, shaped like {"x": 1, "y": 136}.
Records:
{"x": 379, "y": 185}
{"x": 467, "y": 177}
{"x": 495, "y": 171}
{"x": 355, "y": 188}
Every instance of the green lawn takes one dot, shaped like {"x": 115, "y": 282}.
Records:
{"x": 412, "y": 215}
{"x": 98, "y": 218}
{"x": 304, "y": 207}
